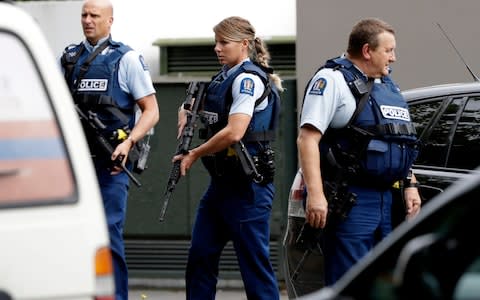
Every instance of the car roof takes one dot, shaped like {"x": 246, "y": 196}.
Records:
{"x": 441, "y": 90}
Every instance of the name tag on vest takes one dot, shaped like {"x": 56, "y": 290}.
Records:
{"x": 393, "y": 112}
{"x": 99, "y": 85}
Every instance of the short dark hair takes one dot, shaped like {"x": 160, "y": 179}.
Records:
{"x": 366, "y": 31}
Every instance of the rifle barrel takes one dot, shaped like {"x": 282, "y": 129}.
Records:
{"x": 195, "y": 94}
{"x": 172, "y": 182}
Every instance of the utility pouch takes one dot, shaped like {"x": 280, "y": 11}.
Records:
{"x": 265, "y": 164}
{"x": 388, "y": 161}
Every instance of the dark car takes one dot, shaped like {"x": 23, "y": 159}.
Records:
{"x": 434, "y": 256}
{"x": 446, "y": 119}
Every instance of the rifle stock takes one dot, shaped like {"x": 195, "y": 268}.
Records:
{"x": 195, "y": 94}
{"x": 95, "y": 125}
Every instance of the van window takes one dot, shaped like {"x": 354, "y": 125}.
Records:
{"x": 34, "y": 166}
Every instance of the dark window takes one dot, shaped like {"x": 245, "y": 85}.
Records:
{"x": 466, "y": 142}
{"x": 423, "y": 113}
{"x": 433, "y": 134}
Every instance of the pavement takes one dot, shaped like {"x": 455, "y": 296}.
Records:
{"x": 173, "y": 294}
{"x": 174, "y": 289}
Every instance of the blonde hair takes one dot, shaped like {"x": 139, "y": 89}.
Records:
{"x": 236, "y": 29}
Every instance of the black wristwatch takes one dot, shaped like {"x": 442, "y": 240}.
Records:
{"x": 407, "y": 182}
{"x": 412, "y": 185}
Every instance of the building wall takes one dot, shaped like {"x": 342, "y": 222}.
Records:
{"x": 424, "y": 55}
{"x": 141, "y": 22}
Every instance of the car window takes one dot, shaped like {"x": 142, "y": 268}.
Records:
{"x": 423, "y": 113}
{"x": 467, "y": 137}
{"x": 433, "y": 130}
{"x": 34, "y": 166}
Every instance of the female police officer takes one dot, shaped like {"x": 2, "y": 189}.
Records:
{"x": 235, "y": 207}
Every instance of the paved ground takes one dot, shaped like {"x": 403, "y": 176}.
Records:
{"x": 165, "y": 294}
{"x": 174, "y": 289}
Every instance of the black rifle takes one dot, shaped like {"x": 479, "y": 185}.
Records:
{"x": 195, "y": 94}
{"x": 340, "y": 203}
{"x": 340, "y": 199}
{"x": 90, "y": 118}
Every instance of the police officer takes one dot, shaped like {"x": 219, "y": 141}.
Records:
{"x": 244, "y": 98}
{"x": 370, "y": 144}
{"x": 109, "y": 79}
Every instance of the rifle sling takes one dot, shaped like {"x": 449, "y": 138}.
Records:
{"x": 83, "y": 70}
{"x": 84, "y": 67}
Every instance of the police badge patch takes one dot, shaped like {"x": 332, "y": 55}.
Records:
{"x": 247, "y": 86}
{"x": 318, "y": 87}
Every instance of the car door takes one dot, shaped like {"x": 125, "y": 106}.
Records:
{"x": 448, "y": 129}
{"x": 434, "y": 256}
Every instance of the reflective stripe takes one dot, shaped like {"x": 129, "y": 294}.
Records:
{"x": 32, "y": 148}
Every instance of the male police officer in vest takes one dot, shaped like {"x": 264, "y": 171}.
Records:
{"x": 349, "y": 158}
{"x": 108, "y": 78}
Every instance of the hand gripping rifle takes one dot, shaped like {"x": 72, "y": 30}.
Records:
{"x": 90, "y": 118}
{"x": 195, "y": 94}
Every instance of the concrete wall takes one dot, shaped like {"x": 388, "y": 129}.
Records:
{"x": 424, "y": 55}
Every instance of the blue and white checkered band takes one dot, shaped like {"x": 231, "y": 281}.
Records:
{"x": 144, "y": 64}
{"x": 247, "y": 86}
{"x": 318, "y": 87}
{"x": 394, "y": 112}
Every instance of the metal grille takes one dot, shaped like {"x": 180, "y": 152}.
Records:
{"x": 167, "y": 258}
{"x": 202, "y": 59}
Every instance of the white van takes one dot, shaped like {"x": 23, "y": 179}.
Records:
{"x": 53, "y": 232}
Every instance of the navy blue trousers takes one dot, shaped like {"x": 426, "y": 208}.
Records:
{"x": 114, "y": 191}
{"x": 347, "y": 242}
{"x": 237, "y": 211}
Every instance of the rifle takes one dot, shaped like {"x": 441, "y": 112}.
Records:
{"x": 91, "y": 119}
{"x": 195, "y": 94}
{"x": 340, "y": 199}
{"x": 340, "y": 202}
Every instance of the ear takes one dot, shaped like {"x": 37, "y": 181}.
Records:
{"x": 366, "y": 51}
{"x": 245, "y": 43}
{"x": 110, "y": 21}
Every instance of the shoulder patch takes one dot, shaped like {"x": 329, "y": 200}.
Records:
{"x": 143, "y": 63}
{"x": 71, "y": 50}
{"x": 318, "y": 87}
{"x": 247, "y": 86}
{"x": 70, "y": 47}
